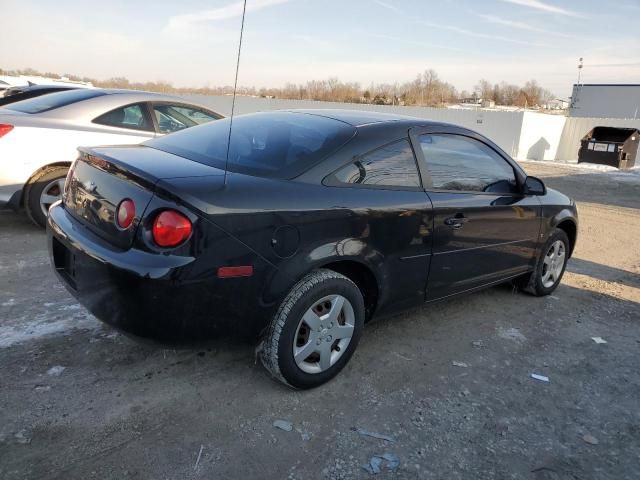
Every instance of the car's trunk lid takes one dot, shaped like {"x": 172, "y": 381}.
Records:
{"x": 103, "y": 177}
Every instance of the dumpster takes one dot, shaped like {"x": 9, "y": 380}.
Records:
{"x": 617, "y": 147}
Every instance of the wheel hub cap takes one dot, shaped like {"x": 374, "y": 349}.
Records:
{"x": 323, "y": 334}
{"x": 51, "y": 193}
{"x": 553, "y": 263}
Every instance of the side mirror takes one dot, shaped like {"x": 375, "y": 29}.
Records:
{"x": 534, "y": 186}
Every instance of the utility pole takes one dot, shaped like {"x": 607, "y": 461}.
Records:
{"x": 579, "y": 71}
{"x": 576, "y": 91}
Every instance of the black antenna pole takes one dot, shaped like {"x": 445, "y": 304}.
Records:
{"x": 235, "y": 87}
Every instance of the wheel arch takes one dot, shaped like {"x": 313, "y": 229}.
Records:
{"x": 364, "y": 278}
{"x": 571, "y": 229}
{"x": 39, "y": 172}
{"x": 355, "y": 269}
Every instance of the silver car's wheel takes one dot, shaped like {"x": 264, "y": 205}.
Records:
{"x": 323, "y": 334}
{"x": 553, "y": 263}
{"x": 44, "y": 189}
{"x": 51, "y": 193}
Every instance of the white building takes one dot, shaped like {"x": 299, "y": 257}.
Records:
{"x": 605, "y": 101}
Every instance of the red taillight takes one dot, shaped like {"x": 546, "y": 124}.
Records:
{"x": 4, "y": 129}
{"x": 125, "y": 213}
{"x": 171, "y": 228}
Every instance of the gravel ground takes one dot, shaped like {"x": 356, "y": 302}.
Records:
{"x": 448, "y": 386}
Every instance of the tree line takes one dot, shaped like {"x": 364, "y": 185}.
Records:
{"x": 427, "y": 89}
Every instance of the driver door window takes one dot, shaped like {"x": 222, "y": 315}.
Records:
{"x": 459, "y": 163}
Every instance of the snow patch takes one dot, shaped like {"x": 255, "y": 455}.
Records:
{"x": 24, "y": 330}
{"x": 56, "y": 371}
{"x": 512, "y": 334}
{"x": 75, "y": 306}
{"x": 629, "y": 176}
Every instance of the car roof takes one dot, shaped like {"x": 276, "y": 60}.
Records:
{"x": 87, "y": 109}
{"x": 31, "y": 88}
{"x": 138, "y": 95}
{"x": 359, "y": 118}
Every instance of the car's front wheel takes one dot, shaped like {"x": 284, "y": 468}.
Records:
{"x": 550, "y": 265}
{"x": 315, "y": 331}
{"x": 42, "y": 191}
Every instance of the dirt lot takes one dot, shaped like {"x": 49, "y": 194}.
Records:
{"x": 79, "y": 400}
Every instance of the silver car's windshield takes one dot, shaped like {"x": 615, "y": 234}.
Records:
{"x": 52, "y": 101}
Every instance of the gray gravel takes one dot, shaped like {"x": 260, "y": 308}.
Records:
{"x": 79, "y": 400}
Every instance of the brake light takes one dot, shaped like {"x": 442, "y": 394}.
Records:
{"x": 171, "y": 228}
{"x": 4, "y": 129}
{"x": 125, "y": 213}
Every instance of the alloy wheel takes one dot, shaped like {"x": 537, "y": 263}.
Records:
{"x": 553, "y": 263}
{"x": 51, "y": 193}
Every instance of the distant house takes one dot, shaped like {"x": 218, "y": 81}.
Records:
{"x": 557, "y": 104}
{"x": 475, "y": 100}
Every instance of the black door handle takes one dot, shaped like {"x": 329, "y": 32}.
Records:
{"x": 456, "y": 221}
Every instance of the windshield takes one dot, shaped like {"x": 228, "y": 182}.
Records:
{"x": 274, "y": 144}
{"x": 52, "y": 101}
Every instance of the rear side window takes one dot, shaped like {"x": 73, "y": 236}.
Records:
{"x": 133, "y": 117}
{"x": 52, "y": 101}
{"x": 455, "y": 162}
{"x": 390, "y": 166}
{"x": 272, "y": 144}
{"x": 172, "y": 118}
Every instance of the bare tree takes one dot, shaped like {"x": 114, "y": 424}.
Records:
{"x": 426, "y": 89}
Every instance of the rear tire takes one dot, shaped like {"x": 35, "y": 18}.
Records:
{"x": 315, "y": 331}
{"x": 550, "y": 265}
{"x": 43, "y": 190}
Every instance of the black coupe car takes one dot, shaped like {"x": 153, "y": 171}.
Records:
{"x": 323, "y": 220}
{"x": 17, "y": 94}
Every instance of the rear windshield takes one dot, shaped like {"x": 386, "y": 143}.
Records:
{"x": 273, "y": 144}
{"x": 54, "y": 100}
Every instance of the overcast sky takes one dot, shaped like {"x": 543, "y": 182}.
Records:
{"x": 194, "y": 42}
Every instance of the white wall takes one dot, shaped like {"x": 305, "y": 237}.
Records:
{"x": 501, "y": 127}
{"x": 540, "y": 136}
{"x": 523, "y": 135}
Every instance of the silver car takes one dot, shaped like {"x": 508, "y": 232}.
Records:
{"x": 39, "y": 136}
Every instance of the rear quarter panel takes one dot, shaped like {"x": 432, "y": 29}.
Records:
{"x": 298, "y": 226}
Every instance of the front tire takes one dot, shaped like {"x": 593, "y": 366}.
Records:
{"x": 550, "y": 265}
{"x": 42, "y": 191}
{"x": 315, "y": 331}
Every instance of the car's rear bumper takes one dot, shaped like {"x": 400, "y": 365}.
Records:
{"x": 163, "y": 297}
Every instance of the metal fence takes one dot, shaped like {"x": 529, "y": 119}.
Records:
{"x": 577, "y": 127}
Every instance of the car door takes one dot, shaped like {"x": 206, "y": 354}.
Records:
{"x": 485, "y": 229}
{"x": 394, "y": 218}
{"x": 172, "y": 117}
